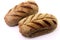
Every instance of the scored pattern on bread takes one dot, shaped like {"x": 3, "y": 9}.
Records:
{"x": 37, "y": 23}
{"x": 20, "y": 11}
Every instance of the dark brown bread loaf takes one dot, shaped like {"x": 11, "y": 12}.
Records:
{"x": 37, "y": 24}
{"x": 20, "y": 11}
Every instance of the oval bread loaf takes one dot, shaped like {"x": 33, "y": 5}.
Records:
{"x": 37, "y": 24}
{"x": 20, "y": 11}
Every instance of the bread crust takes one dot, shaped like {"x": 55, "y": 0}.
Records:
{"x": 38, "y": 24}
{"x": 20, "y": 11}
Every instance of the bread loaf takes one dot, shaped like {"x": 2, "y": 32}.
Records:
{"x": 37, "y": 24}
{"x": 20, "y": 11}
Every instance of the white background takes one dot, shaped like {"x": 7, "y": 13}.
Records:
{"x": 12, "y": 33}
